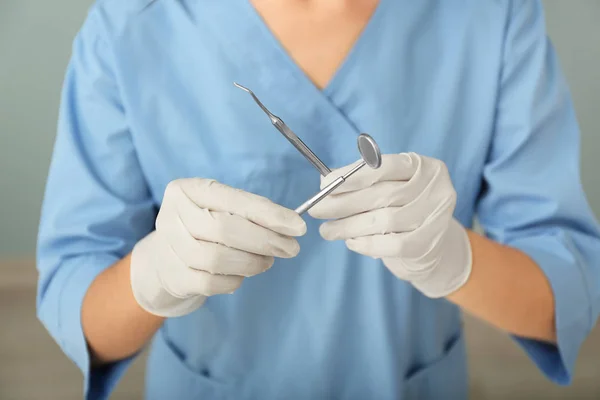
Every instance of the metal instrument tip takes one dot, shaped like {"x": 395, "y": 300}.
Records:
{"x": 242, "y": 87}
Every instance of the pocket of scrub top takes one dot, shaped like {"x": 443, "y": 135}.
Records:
{"x": 169, "y": 377}
{"x": 444, "y": 378}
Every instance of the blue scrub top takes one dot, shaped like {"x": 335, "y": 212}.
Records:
{"x": 149, "y": 98}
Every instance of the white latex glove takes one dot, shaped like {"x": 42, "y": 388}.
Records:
{"x": 402, "y": 214}
{"x": 208, "y": 238}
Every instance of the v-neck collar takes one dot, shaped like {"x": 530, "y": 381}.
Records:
{"x": 257, "y": 60}
{"x": 282, "y": 54}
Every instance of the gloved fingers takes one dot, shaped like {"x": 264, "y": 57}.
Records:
{"x": 394, "y": 167}
{"x": 391, "y": 248}
{"x": 380, "y": 195}
{"x": 377, "y": 222}
{"x": 420, "y": 253}
{"x": 234, "y": 231}
{"x": 429, "y": 185}
{"x": 219, "y": 259}
{"x": 377, "y": 246}
{"x": 410, "y": 246}
{"x": 183, "y": 282}
{"x": 212, "y": 195}
{"x": 418, "y": 249}
{"x": 423, "y": 197}
{"x": 405, "y": 272}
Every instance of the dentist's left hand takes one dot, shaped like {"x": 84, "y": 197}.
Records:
{"x": 401, "y": 213}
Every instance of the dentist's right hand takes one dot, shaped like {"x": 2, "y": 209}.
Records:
{"x": 208, "y": 238}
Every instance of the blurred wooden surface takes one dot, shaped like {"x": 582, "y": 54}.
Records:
{"x": 32, "y": 367}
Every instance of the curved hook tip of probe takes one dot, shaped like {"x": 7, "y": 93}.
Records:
{"x": 242, "y": 87}
{"x": 274, "y": 119}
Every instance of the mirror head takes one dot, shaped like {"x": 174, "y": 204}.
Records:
{"x": 369, "y": 150}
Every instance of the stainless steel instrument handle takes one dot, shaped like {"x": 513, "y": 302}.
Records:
{"x": 310, "y": 203}
{"x": 320, "y": 196}
{"x": 301, "y": 147}
{"x": 289, "y": 135}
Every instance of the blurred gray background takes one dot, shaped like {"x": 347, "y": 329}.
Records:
{"x": 35, "y": 44}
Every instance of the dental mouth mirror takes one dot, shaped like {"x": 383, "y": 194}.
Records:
{"x": 371, "y": 156}
{"x": 290, "y": 135}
